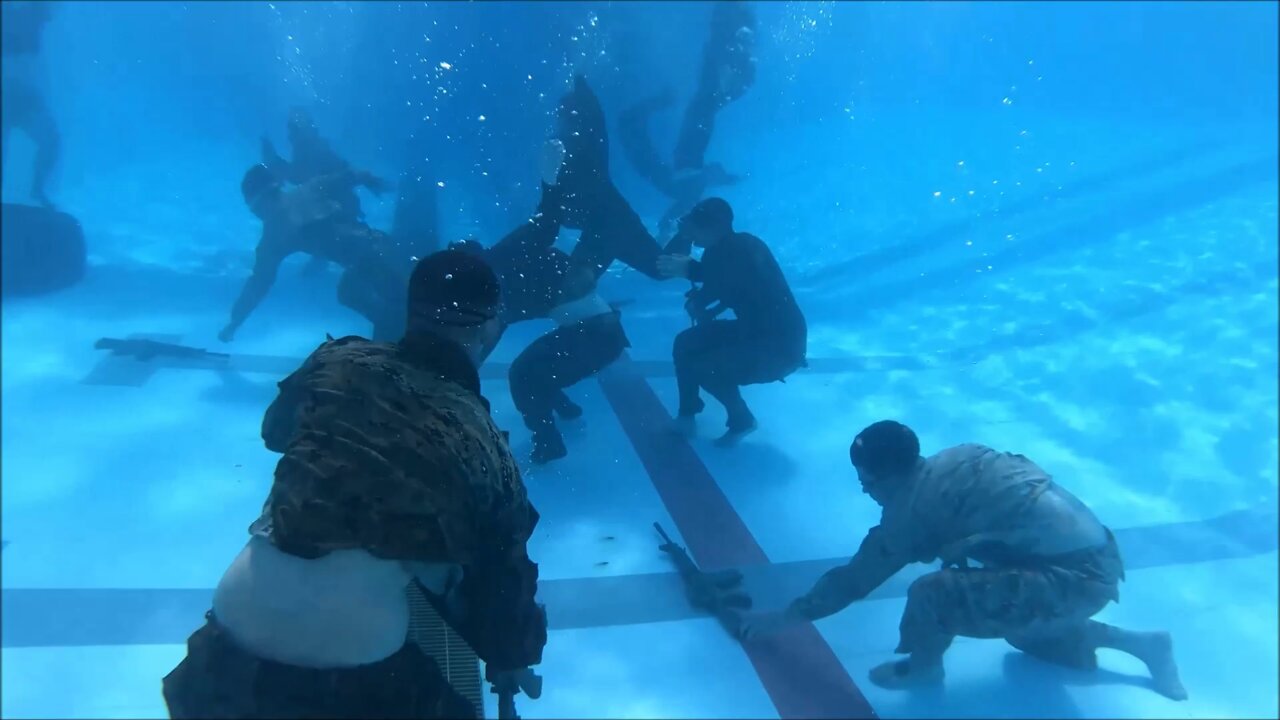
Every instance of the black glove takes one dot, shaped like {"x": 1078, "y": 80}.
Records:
{"x": 514, "y": 682}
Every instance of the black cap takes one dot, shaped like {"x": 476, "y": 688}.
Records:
{"x": 885, "y": 448}
{"x": 454, "y": 287}
{"x": 713, "y": 213}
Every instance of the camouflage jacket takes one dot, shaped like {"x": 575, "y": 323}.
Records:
{"x": 390, "y": 448}
{"x": 966, "y": 503}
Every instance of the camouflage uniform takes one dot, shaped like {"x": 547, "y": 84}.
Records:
{"x": 1048, "y": 565}
{"x": 309, "y": 220}
{"x": 390, "y": 448}
{"x": 397, "y": 455}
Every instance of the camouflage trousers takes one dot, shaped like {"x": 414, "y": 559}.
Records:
{"x": 1043, "y": 609}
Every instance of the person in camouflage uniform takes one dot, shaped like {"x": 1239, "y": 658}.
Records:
{"x": 308, "y": 219}
{"x": 387, "y": 449}
{"x": 1047, "y": 564}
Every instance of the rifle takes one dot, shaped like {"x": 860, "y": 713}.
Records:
{"x": 145, "y": 350}
{"x": 719, "y": 593}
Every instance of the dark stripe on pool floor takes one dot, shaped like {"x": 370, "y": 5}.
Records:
{"x": 72, "y": 617}
{"x": 798, "y": 669}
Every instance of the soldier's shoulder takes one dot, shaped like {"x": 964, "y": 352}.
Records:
{"x": 954, "y": 452}
{"x": 350, "y": 349}
{"x": 338, "y": 362}
{"x": 958, "y": 457}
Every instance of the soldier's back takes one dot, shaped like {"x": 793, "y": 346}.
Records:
{"x": 391, "y": 450}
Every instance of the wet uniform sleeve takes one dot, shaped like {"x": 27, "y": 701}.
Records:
{"x": 266, "y": 266}
{"x": 874, "y": 563}
{"x": 282, "y": 417}
{"x": 280, "y": 420}
{"x": 536, "y": 234}
{"x": 503, "y": 623}
{"x": 731, "y": 274}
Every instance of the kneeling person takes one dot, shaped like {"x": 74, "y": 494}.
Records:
{"x": 392, "y": 473}
{"x": 1048, "y": 564}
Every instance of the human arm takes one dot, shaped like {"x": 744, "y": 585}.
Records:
{"x": 540, "y": 231}
{"x": 839, "y": 587}
{"x": 701, "y": 308}
{"x": 278, "y": 166}
{"x": 265, "y": 268}
{"x": 494, "y": 607}
{"x": 732, "y": 276}
{"x": 873, "y": 564}
{"x": 281, "y": 418}
{"x": 501, "y": 620}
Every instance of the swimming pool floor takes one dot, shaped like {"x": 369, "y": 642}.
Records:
{"x": 127, "y": 490}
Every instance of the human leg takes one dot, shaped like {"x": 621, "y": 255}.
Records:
{"x": 558, "y": 360}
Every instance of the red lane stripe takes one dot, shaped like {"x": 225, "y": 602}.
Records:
{"x": 797, "y": 668}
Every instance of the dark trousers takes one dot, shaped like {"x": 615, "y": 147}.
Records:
{"x": 381, "y": 302}
{"x": 219, "y": 679}
{"x": 25, "y": 109}
{"x": 721, "y": 356}
{"x": 376, "y": 286}
{"x": 562, "y": 358}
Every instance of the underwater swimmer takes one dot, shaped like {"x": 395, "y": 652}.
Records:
{"x": 307, "y": 219}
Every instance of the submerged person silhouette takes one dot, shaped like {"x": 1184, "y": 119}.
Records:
{"x": 541, "y": 281}
{"x": 313, "y": 157}
{"x": 307, "y": 219}
{"x": 684, "y": 187}
{"x": 25, "y": 106}
{"x": 728, "y": 71}
{"x": 588, "y": 198}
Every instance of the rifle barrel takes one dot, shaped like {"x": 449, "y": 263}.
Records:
{"x": 663, "y": 533}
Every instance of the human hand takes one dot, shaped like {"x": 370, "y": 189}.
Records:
{"x": 227, "y": 334}
{"x": 753, "y": 626}
{"x": 673, "y": 266}
{"x": 513, "y": 682}
{"x": 552, "y": 159}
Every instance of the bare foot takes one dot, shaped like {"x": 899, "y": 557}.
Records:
{"x": 1157, "y": 652}
{"x": 732, "y": 437}
{"x": 902, "y": 675}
